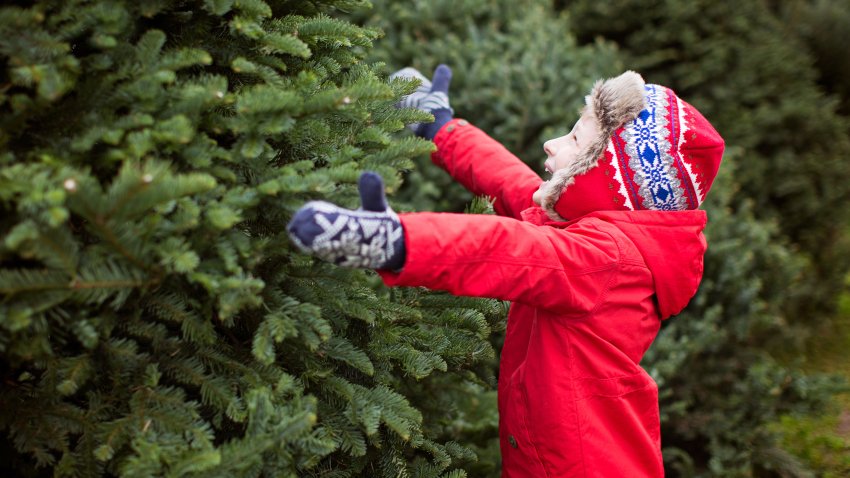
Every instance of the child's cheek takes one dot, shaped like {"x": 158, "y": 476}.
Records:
{"x": 564, "y": 159}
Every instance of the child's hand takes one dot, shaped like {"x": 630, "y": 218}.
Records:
{"x": 370, "y": 237}
{"x": 432, "y": 98}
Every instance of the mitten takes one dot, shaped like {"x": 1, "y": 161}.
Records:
{"x": 429, "y": 97}
{"x": 370, "y": 237}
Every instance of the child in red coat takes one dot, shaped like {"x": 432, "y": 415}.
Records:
{"x": 593, "y": 260}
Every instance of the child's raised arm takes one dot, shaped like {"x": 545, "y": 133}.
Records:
{"x": 485, "y": 167}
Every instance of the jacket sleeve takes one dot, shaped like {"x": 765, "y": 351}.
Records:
{"x": 565, "y": 270}
{"x": 485, "y": 167}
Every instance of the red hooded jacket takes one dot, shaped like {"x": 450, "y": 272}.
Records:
{"x": 588, "y": 299}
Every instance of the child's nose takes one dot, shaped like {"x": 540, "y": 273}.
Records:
{"x": 549, "y": 147}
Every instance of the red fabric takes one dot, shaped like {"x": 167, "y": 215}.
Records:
{"x": 589, "y": 296}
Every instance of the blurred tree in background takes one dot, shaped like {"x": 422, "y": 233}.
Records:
{"x": 720, "y": 389}
{"x": 154, "y": 319}
{"x": 823, "y": 26}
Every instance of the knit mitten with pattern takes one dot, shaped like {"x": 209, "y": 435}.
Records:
{"x": 429, "y": 97}
{"x": 370, "y": 237}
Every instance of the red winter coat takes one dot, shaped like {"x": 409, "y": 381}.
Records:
{"x": 588, "y": 299}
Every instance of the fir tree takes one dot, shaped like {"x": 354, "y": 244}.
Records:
{"x": 822, "y": 25}
{"x": 155, "y": 320}
{"x": 721, "y": 391}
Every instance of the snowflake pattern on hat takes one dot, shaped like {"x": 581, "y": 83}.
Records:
{"x": 646, "y": 145}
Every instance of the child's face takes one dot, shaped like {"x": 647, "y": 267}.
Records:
{"x": 562, "y": 151}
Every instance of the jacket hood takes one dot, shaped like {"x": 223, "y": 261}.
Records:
{"x": 673, "y": 246}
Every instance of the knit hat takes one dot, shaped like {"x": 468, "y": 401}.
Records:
{"x": 654, "y": 151}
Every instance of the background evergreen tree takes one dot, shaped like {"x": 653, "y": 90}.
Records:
{"x": 154, "y": 319}
{"x": 721, "y": 390}
{"x": 822, "y": 25}
{"x": 823, "y": 439}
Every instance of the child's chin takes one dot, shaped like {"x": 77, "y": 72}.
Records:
{"x": 537, "y": 197}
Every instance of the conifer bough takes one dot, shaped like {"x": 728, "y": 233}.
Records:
{"x": 154, "y": 319}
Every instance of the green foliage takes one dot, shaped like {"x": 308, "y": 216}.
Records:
{"x": 154, "y": 318}
{"x": 823, "y": 25}
{"x": 517, "y": 73}
{"x": 822, "y": 438}
{"x": 821, "y": 441}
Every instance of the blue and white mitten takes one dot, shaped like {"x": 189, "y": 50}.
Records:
{"x": 370, "y": 237}
{"x": 429, "y": 97}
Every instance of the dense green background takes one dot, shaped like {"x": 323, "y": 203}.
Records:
{"x": 154, "y": 319}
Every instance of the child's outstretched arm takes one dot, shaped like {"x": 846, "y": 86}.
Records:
{"x": 489, "y": 256}
{"x": 473, "y": 255}
{"x": 471, "y": 157}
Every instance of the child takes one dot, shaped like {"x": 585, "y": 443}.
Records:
{"x": 593, "y": 260}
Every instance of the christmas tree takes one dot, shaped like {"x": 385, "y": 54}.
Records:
{"x": 155, "y": 319}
